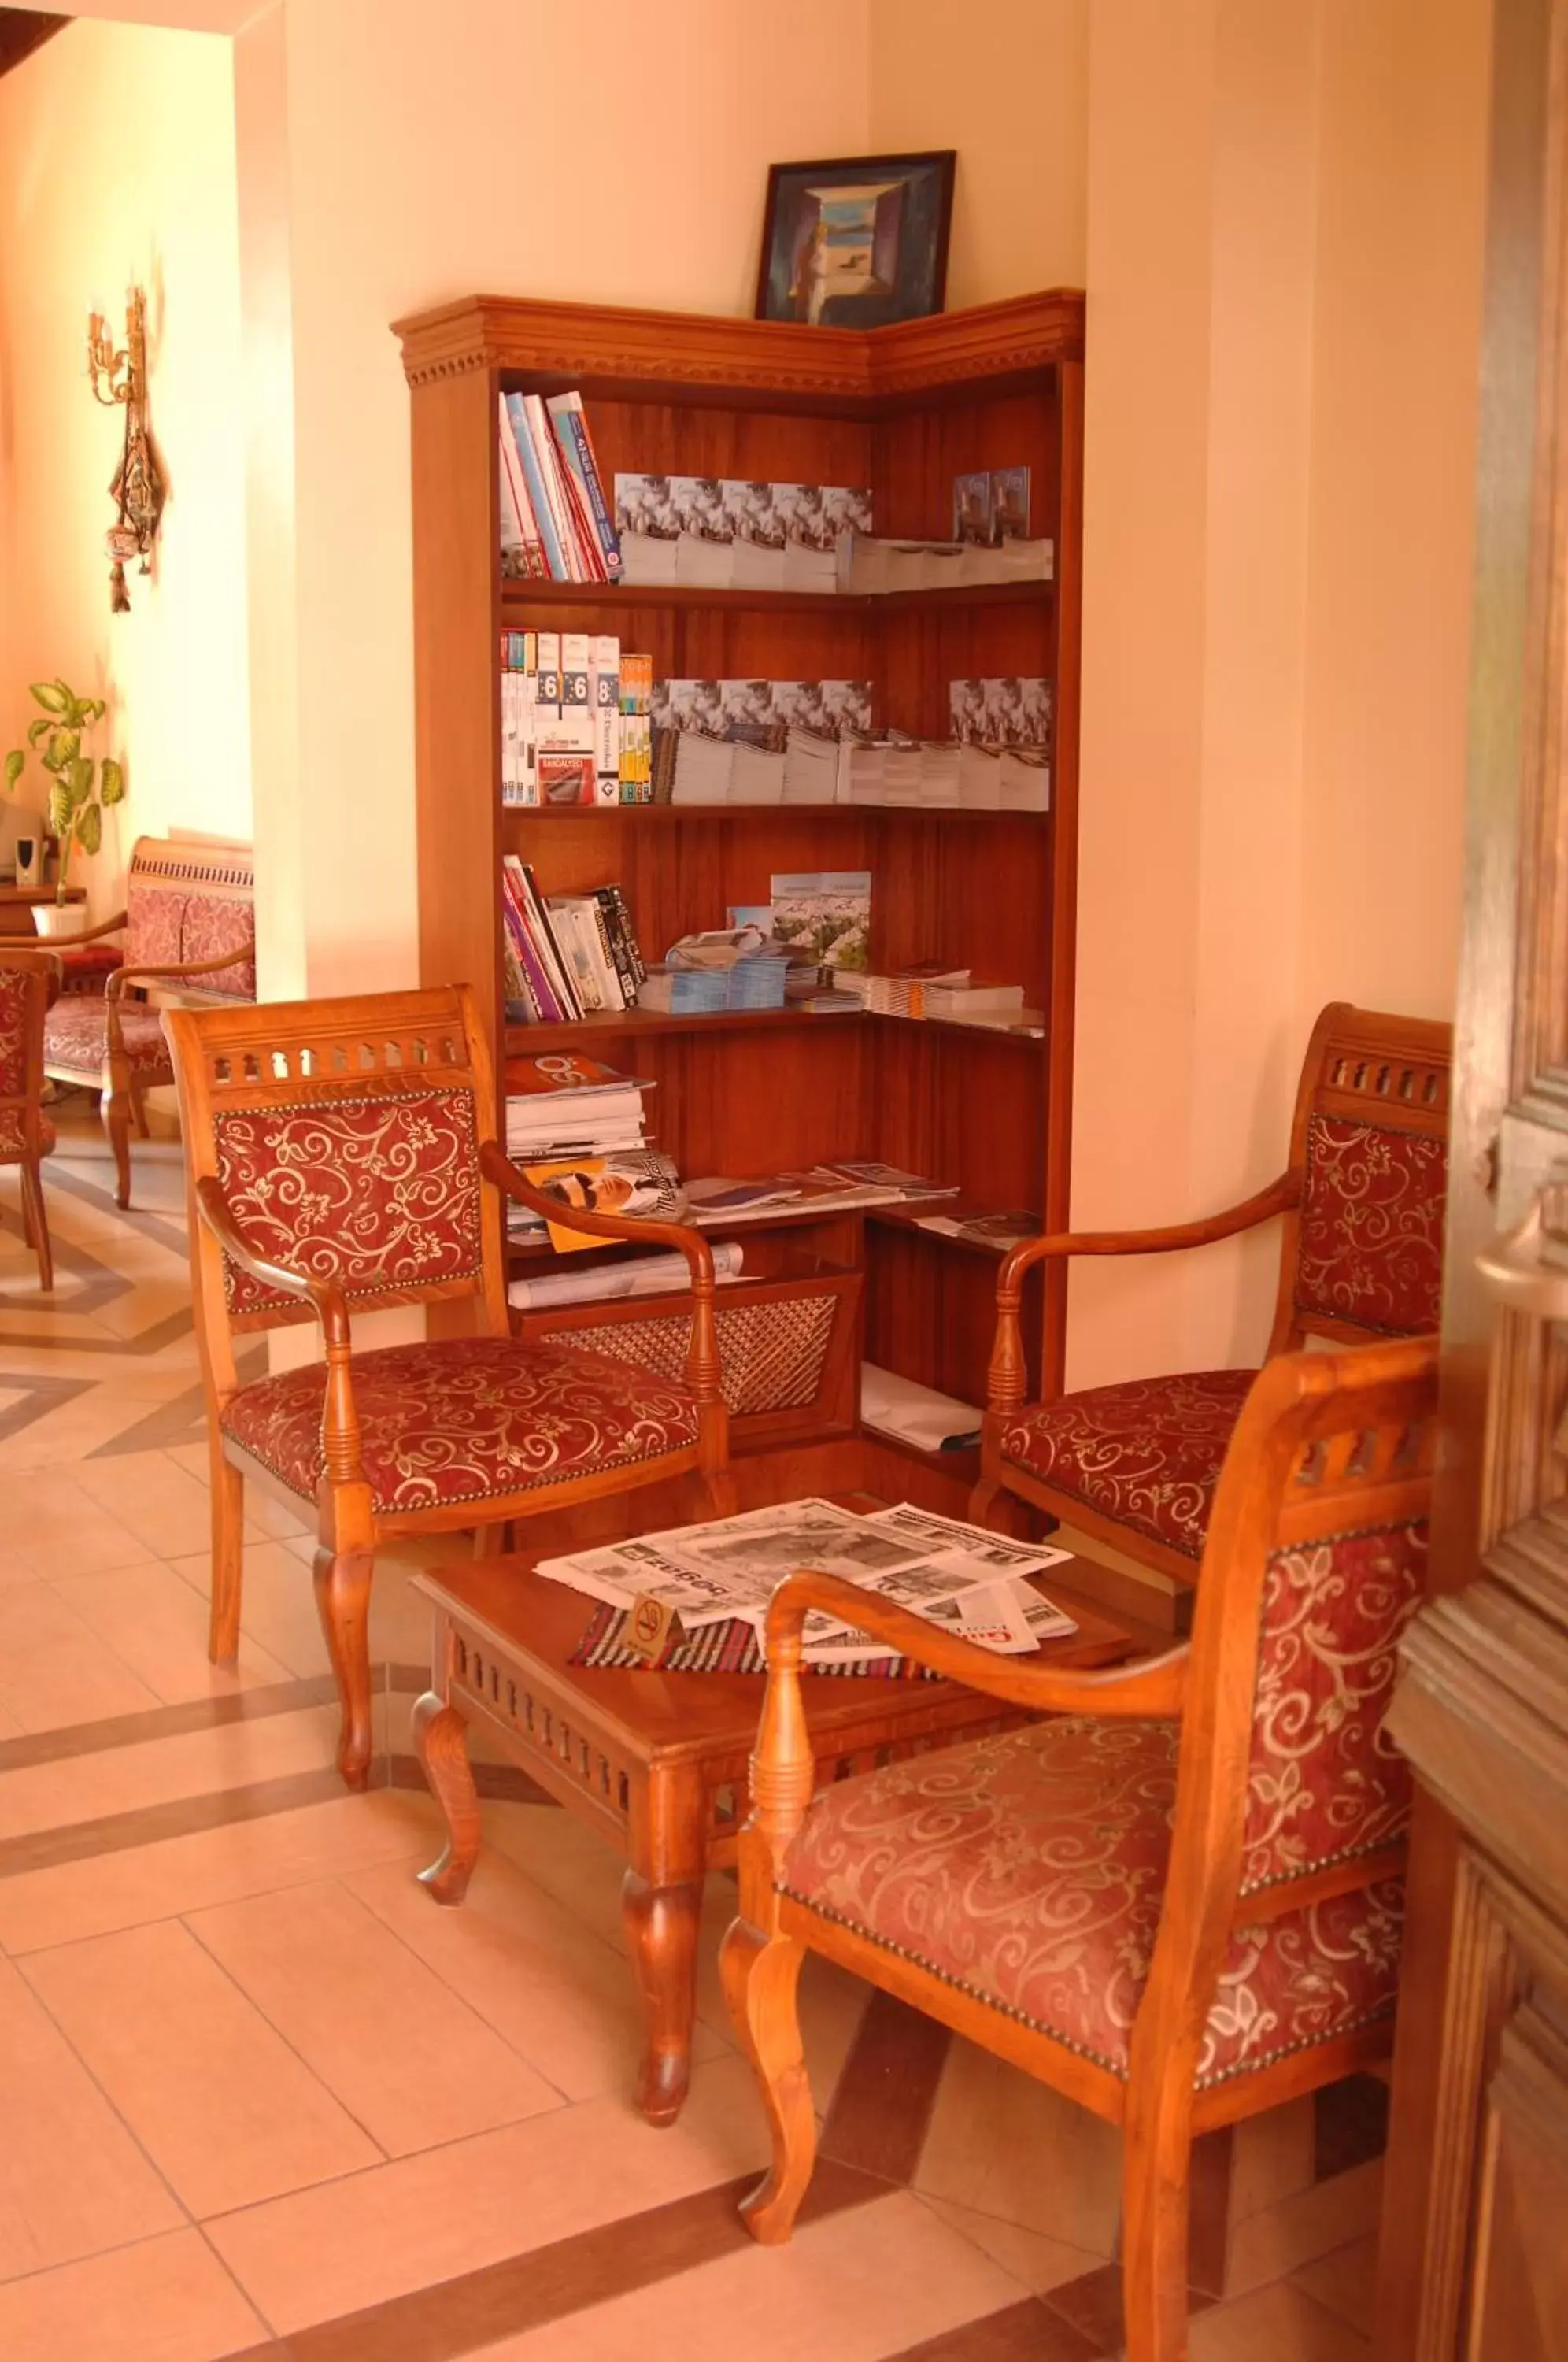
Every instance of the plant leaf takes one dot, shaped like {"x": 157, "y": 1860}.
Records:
{"x": 54, "y": 757}
{"x": 93, "y": 708}
{"x": 60, "y": 810}
{"x": 50, "y": 696}
{"x": 36, "y": 727}
{"x": 78, "y": 780}
{"x": 112, "y": 784}
{"x": 90, "y": 829}
{"x": 14, "y": 761}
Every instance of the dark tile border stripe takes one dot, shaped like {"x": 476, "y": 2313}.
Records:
{"x": 882, "y": 2110}
{"x": 181, "y": 1816}
{"x": 1019, "y": 2333}
{"x": 543, "y": 2284}
{"x": 153, "y": 1722}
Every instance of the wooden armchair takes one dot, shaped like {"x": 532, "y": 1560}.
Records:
{"x": 28, "y": 981}
{"x": 190, "y": 934}
{"x": 341, "y": 1156}
{"x": 1361, "y": 1204}
{"x": 1180, "y": 1903}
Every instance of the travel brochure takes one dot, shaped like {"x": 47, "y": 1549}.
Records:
{"x": 721, "y": 533}
{"x": 957, "y": 1577}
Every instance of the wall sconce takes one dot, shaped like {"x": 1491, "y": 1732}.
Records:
{"x": 138, "y": 487}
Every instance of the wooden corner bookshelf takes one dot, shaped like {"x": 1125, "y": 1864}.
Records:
{"x": 904, "y": 410}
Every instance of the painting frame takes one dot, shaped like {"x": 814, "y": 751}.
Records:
{"x": 906, "y": 213}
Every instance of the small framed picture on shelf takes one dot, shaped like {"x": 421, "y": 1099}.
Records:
{"x": 857, "y": 241}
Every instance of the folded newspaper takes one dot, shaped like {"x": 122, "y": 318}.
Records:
{"x": 958, "y": 1577}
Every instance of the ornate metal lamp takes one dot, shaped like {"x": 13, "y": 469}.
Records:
{"x": 120, "y": 376}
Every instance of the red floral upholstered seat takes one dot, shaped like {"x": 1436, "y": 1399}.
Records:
{"x": 76, "y": 1039}
{"x": 467, "y": 1420}
{"x": 28, "y": 981}
{"x": 1147, "y": 1452}
{"x": 1175, "y": 1896}
{"x": 14, "y": 1134}
{"x": 1362, "y": 1204}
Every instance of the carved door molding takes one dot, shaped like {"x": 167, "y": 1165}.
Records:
{"x": 1475, "y": 2258}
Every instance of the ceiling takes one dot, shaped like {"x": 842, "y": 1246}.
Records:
{"x": 21, "y": 31}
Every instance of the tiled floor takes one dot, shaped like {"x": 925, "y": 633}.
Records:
{"x": 263, "y": 2098}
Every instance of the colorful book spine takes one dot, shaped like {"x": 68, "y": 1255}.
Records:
{"x": 570, "y": 423}
{"x": 553, "y": 477}
{"x": 543, "y": 509}
{"x": 616, "y": 938}
{"x": 637, "y": 728}
{"x": 604, "y": 691}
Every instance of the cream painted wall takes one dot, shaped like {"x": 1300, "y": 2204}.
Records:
{"x": 1014, "y": 104}
{"x": 117, "y": 162}
{"x": 1284, "y": 221}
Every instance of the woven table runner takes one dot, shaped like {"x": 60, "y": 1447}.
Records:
{"x": 731, "y": 1647}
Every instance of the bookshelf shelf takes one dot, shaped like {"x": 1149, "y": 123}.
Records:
{"x": 522, "y": 601}
{"x": 902, "y": 410}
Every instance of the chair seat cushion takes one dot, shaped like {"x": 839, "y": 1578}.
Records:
{"x": 1146, "y": 1452}
{"x": 12, "y": 1138}
{"x": 468, "y": 1420}
{"x": 1028, "y": 1870}
{"x": 76, "y": 1035}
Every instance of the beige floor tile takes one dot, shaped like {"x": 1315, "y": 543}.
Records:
{"x": 1273, "y": 2157}
{"x": 169, "y": 1511}
{"x": 222, "y": 2105}
{"x": 62, "y": 1529}
{"x": 158, "y": 1625}
{"x": 553, "y": 1850}
{"x": 858, "y": 2286}
{"x": 1037, "y": 2262}
{"x": 562, "y": 1997}
{"x": 1346, "y": 2281}
{"x": 167, "y": 2300}
{"x": 1279, "y": 2323}
{"x": 54, "y": 1670}
{"x": 94, "y": 1897}
{"x": 1009, "y": 2147}
{"x": 278, "y": 1603}
{"x": 15, "y": 1568}
{"x": 65, "y": 1438}
{"x": 198, "y": 1763}
{"x": 427, "y": 2218}
{"x": 409, "y": 2060}
{"x": 72, "y": 2182}
{"x": 1314, "y": 2223}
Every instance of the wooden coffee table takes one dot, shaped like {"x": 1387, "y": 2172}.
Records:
{"x": 659, "y": 1762}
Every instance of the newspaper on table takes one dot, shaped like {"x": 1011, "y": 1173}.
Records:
{"x": 960, "y": 1578}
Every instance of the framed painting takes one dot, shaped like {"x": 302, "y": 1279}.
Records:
{"x": 855, "y": 241}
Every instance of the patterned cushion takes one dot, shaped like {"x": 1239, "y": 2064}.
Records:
{"x": 1029, "y": 1870}
{"x": 14, "y": 986}
{"x": 467, "y": 1419}
{"x": 1147, "y": 1452}
{"x": 76, "y": 1037}
{"x": 213, "y": 925}
{"x": 11, "y": 1140}
{"x": 1372, "y": 1217}
{"x": 1325, "y": 1782}
{"x": 154, "y": 921}
{"x": 373, "y": 1193}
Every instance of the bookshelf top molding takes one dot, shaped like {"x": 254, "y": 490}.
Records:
{"x": 621, "y": 352}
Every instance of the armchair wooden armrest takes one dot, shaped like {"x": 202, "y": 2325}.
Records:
{"x": 1007, "y": 1376}
{"x": 782, "y": 1776}
{"x": 340, "y": 1418}
{"x": 703, "y": 1354}
{"x": 89, "y": 935}
{"x": 114, "y": 989}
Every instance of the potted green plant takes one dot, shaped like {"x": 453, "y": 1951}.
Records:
{"x": 80, "y": 785}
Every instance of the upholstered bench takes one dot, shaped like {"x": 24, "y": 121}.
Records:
{"x": 189, "y": 928}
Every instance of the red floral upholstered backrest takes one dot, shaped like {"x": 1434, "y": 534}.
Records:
{"x": 14, "y": 990}
{"x": 1325, "y": 1782}
{"x": 376, "y": 1190}
{"x": 1371, "y": 1144}
{"x": 213, "y": 926}
{"x": 154, "y": 925}
{"x": 187, "y": 899}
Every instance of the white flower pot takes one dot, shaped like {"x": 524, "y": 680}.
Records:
{"x": 59, "y": 918}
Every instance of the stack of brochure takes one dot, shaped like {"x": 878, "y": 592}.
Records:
{"x": 958, "y": 1578}
{"x": 868, "y": 567}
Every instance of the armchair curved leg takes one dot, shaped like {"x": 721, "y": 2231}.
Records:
{"x": 114, "y": 1111}
{"x": 1156, "y": 2180}
{"x": 761, "y": 1974}
{"x": 343, "y": 1602}
{"x": 440, "y": 1740}
{"x": 35, "y": 1223}
{"x": 228, "y": 1554}
{"x": 138, "y": 1112}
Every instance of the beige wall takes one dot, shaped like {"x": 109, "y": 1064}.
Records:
{"x": 1285, "y": 217}
{"x": 116, "y": 163}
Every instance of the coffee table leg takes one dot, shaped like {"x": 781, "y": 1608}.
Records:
{"x": 661, "y": 1924}
{"x": 440, "y": 1736}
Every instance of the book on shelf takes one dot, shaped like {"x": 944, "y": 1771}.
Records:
{"x": 555, "y": 522}
{"x": 659, "y": 1273}
{"x": 639, "y": 1181}
{"x": 566, "y": 955}
{"x": 574, "y": 726}
{"x": 562, "y": 1105}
